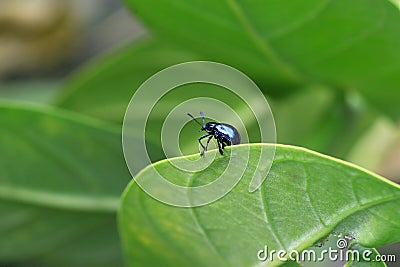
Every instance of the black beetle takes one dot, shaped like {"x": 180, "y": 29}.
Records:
{"x": 225, "y": 134}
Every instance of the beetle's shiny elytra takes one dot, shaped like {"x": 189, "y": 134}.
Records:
{"x": 225, "y": 134}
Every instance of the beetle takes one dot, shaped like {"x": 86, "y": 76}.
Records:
{"x": 225, "y": 134}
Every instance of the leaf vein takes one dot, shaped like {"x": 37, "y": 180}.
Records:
{"x": 203, "y": 230}
{"x": 267, "y": 215}
{"x": 300, "y": 23}
{"x": 308, "y": 195}
{"x": 263, "y": 45}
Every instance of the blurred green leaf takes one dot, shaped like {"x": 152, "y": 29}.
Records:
{"x": 40, "y": 91}
{"x": 61, "y": 176}
{"x": 371, "y": 150}
{"x": 351, "y": 45}
{"x": 103, "y": 90}
{"x": 104, "y": 87}
{"x": 302, "y": 118}
{"x": 317, "y": 118}
{"x": 305, "y": 197}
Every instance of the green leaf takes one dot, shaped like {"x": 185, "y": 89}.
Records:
{"x": 89, "y": 92}
{"x": 351, "y": 45}
{"x": 305, "y": 197}
{"x": 317, "y": 118}
{"x": 31, "y": 91}
{"x": 104, "y": 87}
{"x": 61, "y": 176}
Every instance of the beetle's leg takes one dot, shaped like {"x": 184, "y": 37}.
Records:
{"x": 200, "y": 138}
{"x": 219, "y": 147}
{"x": 225, "y": 143}
{"x": 205, "y": 149}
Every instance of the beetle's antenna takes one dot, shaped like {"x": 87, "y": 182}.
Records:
{"x": 202, "y": 116}
{"x": 190, "y": 115}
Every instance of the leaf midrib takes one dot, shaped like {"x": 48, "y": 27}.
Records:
{"x": 60, "y": 200}
{"x": 203, "y": 231}
{"x": 263, "y": 45}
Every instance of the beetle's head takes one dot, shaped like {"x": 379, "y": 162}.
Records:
{"x": 208, "y": 127}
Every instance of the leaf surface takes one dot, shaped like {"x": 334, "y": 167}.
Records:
{"x": 305, "y": 197}
{"x": 351, "y": 46}
{"x": 61, "y": 177}
{"x": 103, "y": 88}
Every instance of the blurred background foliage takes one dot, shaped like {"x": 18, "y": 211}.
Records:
{"x": 69, "y": 68}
